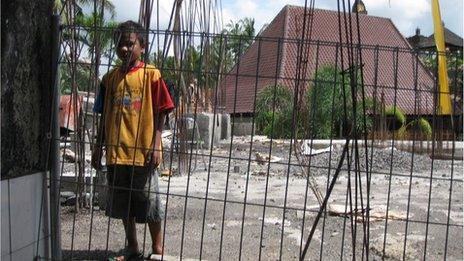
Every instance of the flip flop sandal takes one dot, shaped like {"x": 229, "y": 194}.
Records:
{"x": 153, "y": 256}
{"x": 128, "y": 255}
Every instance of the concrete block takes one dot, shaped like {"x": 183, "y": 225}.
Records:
{"x": 226, "y": 127}
{"x": 205, "y": 125}
{"x": 242, "y": 126}
{"x": 211, "y": 128}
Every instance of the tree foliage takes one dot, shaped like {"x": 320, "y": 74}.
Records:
{"x": 331, "y": 106}
{"x": 98, "y": 41}
{"x": 274, "y": 107}
{"x": 227, "y": 47}
{"x": 166, "y": 65}
{"x": 207, "y": 62}
{"x": 321, "y": 115}
{"x": 95, "y": 34}
{"x": 397, "y": 116}
{"x": 455, "y": 69}
{"x": 192, "y": 66}
{"x": 81, "y": 75}
{"x": 420, "y": 125}
{"x": 240, "y": 36}
{"x": 398, "y": 123}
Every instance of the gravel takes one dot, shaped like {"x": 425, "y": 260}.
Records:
{"x": 90, "y": 235}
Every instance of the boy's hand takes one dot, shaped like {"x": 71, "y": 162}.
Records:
{"x": 155, "y": 158}
{"x": 96, "y": 159}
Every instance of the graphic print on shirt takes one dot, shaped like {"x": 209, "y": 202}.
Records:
{"x": 130, "y": 99}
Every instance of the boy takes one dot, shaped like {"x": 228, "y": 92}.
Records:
{"x": 133, "y": 101}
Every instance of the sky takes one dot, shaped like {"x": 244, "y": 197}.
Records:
{"x": 407, "y": 15}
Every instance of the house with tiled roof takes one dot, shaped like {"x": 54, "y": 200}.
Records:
{"x": 453, "y": 42}
{"x": 390, "y": 66}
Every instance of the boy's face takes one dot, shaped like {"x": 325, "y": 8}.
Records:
{"x": 129, "y": 48}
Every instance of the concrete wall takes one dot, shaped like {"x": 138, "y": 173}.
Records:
{"x": 222, "y": 127}
{"x": 26, "y": 85}
{"x": 25, "y": 116}
{"x": 21, "y": 210}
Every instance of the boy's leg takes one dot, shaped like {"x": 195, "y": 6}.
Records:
{"x": 146, "y": 204}
{"x": 156, "y": 237}
{"x": 131, "y": 234}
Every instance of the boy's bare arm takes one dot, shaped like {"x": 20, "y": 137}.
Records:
{"x": 97, "y": 149}
{"x": 156, "y": 157}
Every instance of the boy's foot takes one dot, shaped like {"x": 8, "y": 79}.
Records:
{"x": 128, "y": 255}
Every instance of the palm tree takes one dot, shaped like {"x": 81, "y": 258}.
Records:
{"x": 98, "y": 41}
{"x": 60, "y": 7}
{"x": 91, "y": 31}
{"x": 248, "y": 31}
{"x": 241, "y": 35}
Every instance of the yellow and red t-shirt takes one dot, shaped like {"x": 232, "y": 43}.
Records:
{"x": 131, "y": 102}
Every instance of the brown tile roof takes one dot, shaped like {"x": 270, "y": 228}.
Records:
{"x": 386, "y": 56}
{"x": 451, "y": 40}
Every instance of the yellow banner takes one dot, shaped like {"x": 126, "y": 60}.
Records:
{"x": 444, "y": 107}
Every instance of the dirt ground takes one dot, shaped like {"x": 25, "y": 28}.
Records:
{"x": 268, "y": 214}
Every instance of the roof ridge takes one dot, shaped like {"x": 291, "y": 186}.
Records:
{"x": 450, "y": 37}
{"x": 452, "y": 33}
{"x": 446, "y": 29}
{"x": 333, "y": 11}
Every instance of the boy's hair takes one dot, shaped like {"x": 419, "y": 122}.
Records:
{"x": 130, "y": 27}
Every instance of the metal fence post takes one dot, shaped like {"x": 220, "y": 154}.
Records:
{"x": 55, "y": 149}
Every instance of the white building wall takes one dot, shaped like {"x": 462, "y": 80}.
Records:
{"x": 22, "y": 200}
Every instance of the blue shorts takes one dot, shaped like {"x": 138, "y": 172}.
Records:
{"x": 133, "y": 192}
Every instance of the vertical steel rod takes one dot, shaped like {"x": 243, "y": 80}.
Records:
{"x": 55, "y": 148}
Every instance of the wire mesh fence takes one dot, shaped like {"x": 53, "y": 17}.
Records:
{"x": 319, "y": 138}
